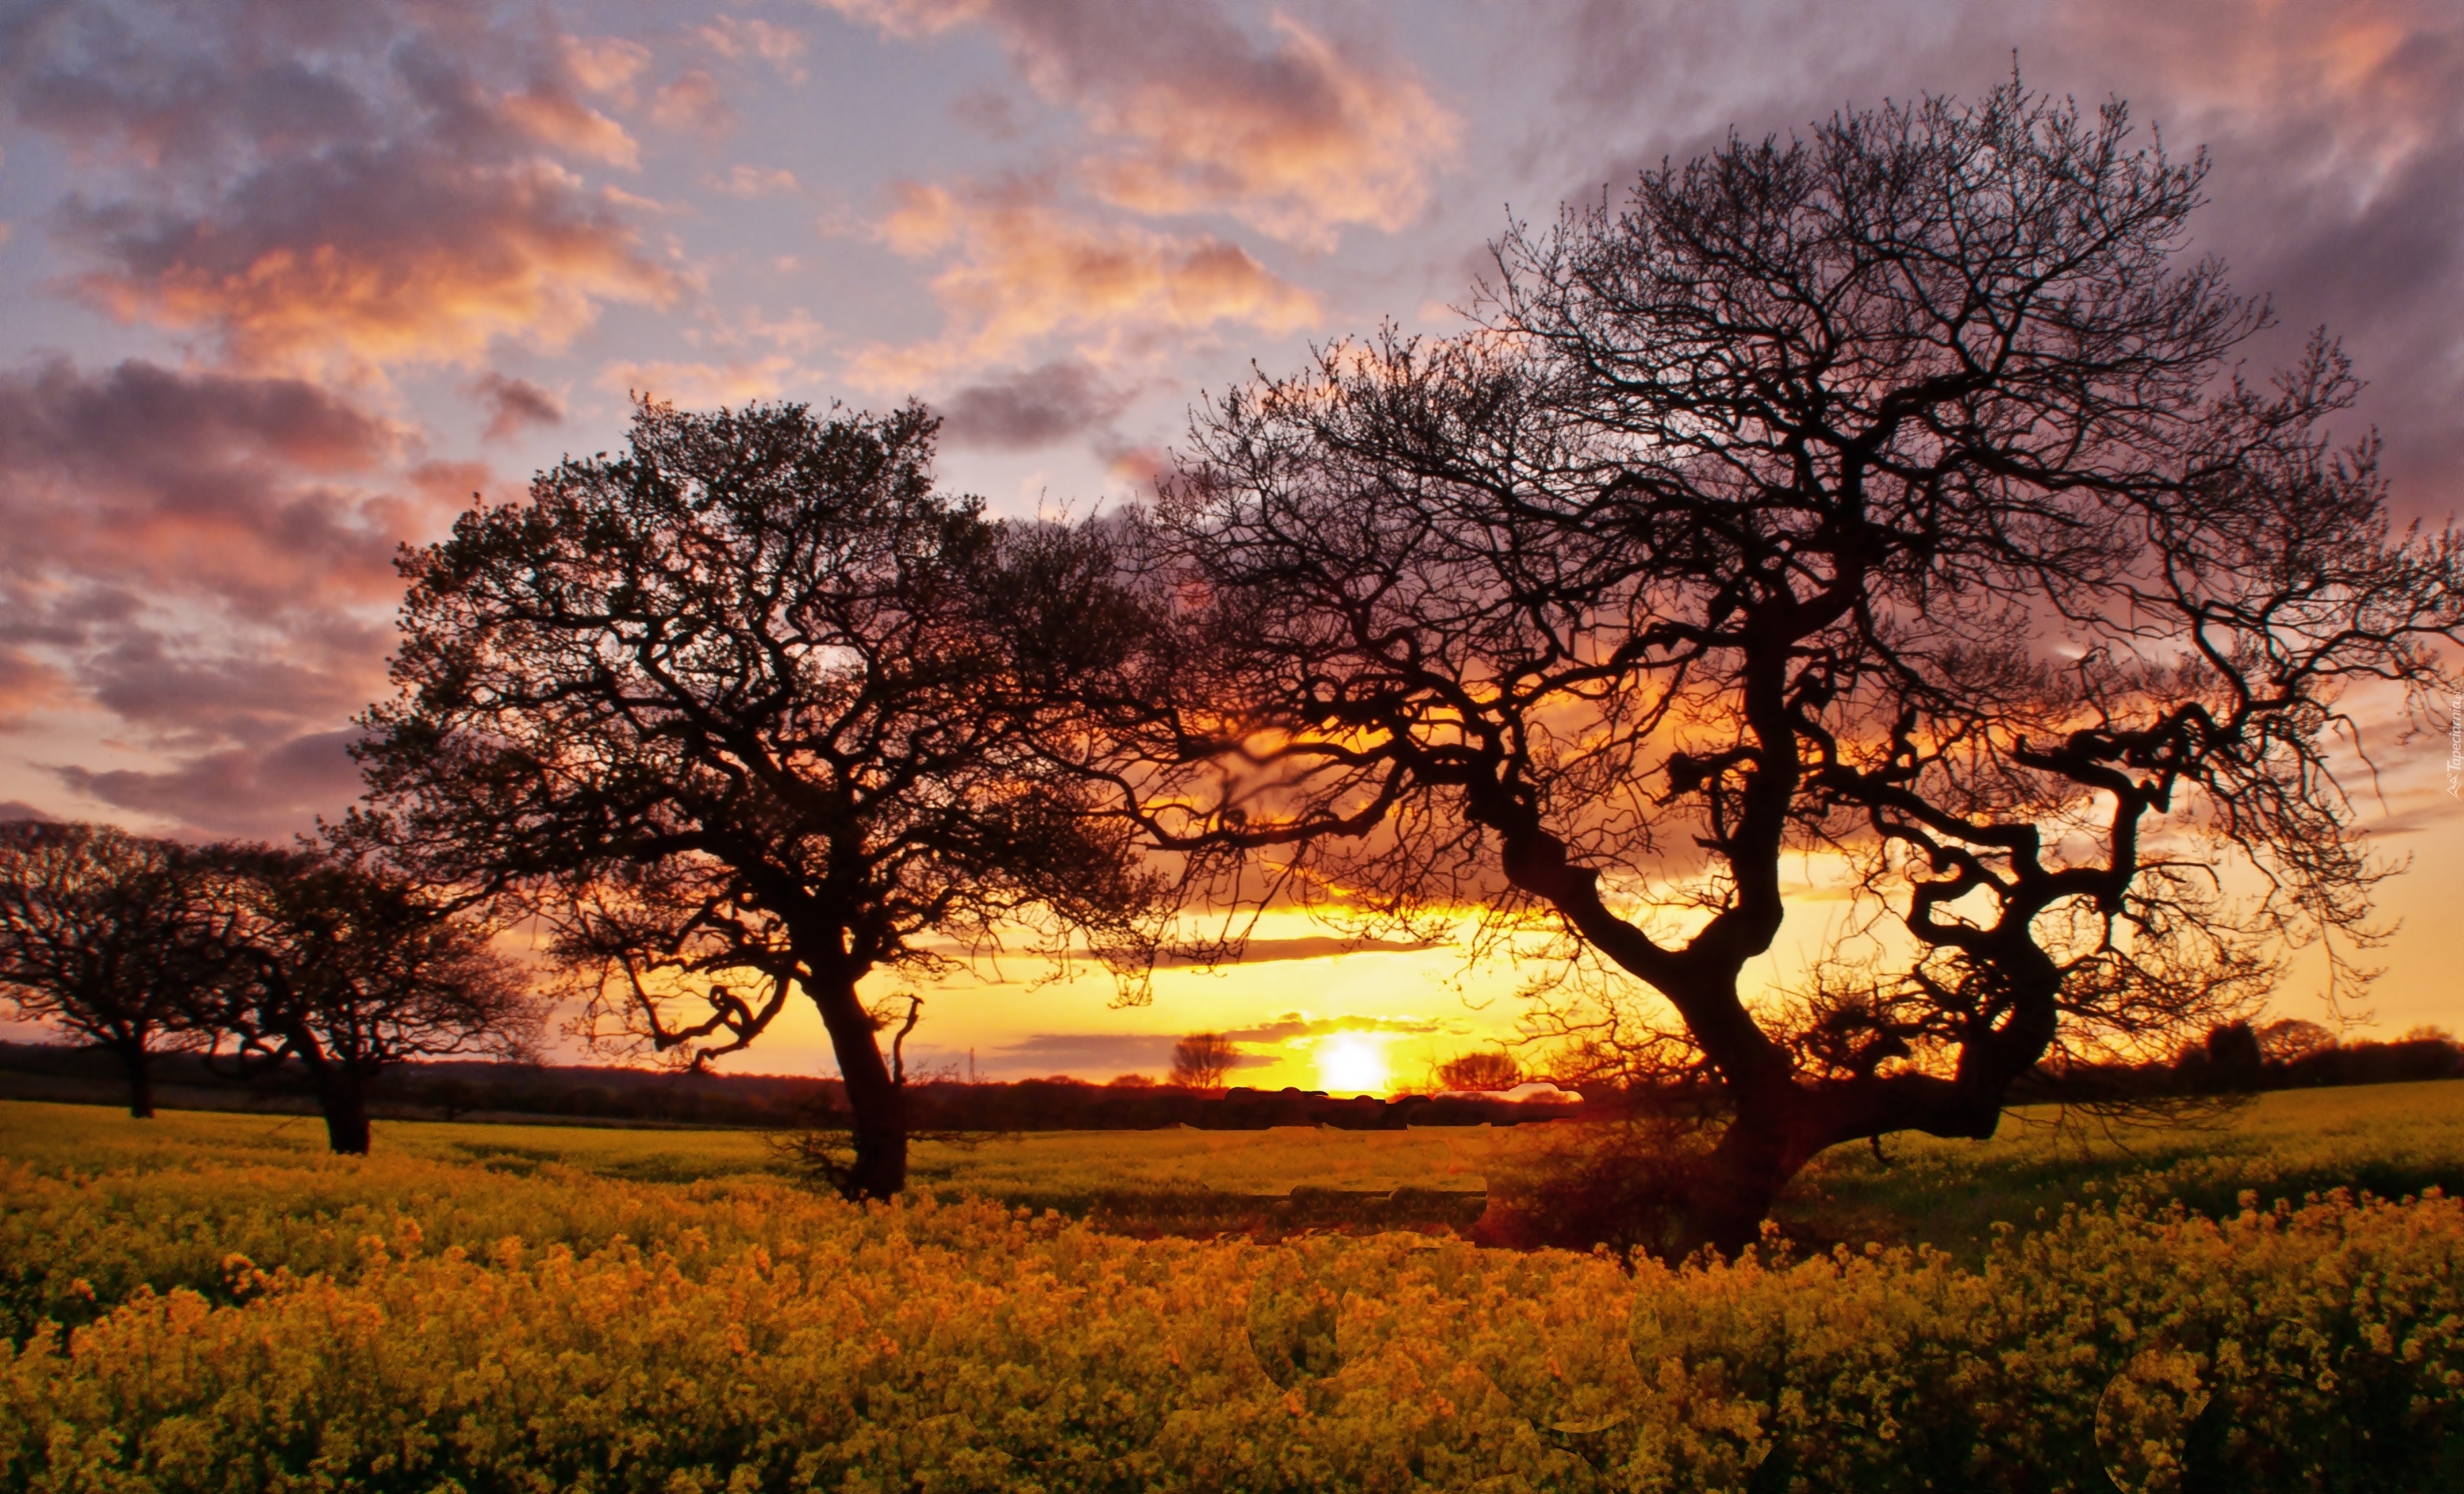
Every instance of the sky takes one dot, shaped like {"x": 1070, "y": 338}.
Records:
{"x": 283, "y": 283}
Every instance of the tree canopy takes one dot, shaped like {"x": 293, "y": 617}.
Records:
{"x": 110, "y": 935}
{"x": 351, "y": 967}
{"x": 728, "y": 712}
{"x": 1890, "y": 500}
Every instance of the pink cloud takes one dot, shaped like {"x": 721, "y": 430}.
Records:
{"x": 168, "y": 482}
{"x": 516, "y": 404}
{"x": 202, "y": 560}
{"x": 322, "y": 187}
{"x": 262, "y": 793}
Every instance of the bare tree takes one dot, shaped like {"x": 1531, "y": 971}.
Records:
{"x": 107, "y": 935}
{"x": 1203, "y": 1061}
{"x": 730, "y": 714}
{"x": 352, "y": 967}
{"x": 1886, "y": 502}
{"x": 1488, "y": 1071}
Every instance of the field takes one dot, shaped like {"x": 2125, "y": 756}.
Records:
{"x": 210, "y": 1302}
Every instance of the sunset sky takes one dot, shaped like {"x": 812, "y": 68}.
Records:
{"x": 283, "y": 283}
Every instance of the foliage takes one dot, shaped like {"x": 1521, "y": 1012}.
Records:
{"x": 397, "y": 1323}
{"x": 108, "y": 934}
{"x": 351, "y": 968}
{"x": 729, "y": 713}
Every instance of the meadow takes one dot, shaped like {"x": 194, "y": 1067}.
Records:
{"x": 211, "y": 1302}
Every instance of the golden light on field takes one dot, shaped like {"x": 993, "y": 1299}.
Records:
{"x": 1351, "y": 1063}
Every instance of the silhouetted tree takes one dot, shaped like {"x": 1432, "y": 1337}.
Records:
{"x": 351, "y": 968}
{"x": 108, "y": 935}
{"x": 730, "y": 714}
{"x": 1480, "y": 1072}
{"x": 1203, "y": 1060}
{"x": 2289, "y": 1040}
{"x": 1888, "y": 497}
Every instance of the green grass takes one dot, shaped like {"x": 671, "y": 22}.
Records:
{"x": 2390, "y": 1140}
{"x": 1039, "y": 1168}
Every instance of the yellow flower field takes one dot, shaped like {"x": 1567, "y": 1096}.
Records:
{"x": 200, "y": 1306}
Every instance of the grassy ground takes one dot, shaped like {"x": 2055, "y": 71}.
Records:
{"x": 1043, "y": 1168}
{"x": 2390, "y": 1140}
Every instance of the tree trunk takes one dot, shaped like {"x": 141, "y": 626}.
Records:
{"x": 344, "y": 1096}
{"x": 875, "y": 1103}
{"x": 1763, "y": 1148}
{"x": 139, "y": 1065}
{"x": 1778, "y": 1129}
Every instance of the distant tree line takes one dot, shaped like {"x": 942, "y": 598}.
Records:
{"x": 450, "y": 1090}
{"x": 316, "y": 957}
{"x": 2288, "y": 1053}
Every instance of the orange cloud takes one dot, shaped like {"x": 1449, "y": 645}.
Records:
{"x": 1022, "y": 268}
{"x": 1297, "y": 137}
{"x": 393, "y": 257}
{"x": 1302, "y": 144}
{"x": 604, "y": 65}
{"x": 557, "y": 118}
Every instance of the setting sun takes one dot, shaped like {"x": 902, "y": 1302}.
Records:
{"x": 1352, "y": 1063}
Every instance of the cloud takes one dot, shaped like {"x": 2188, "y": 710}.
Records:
{"x": 27, "y": 684}
{"x": 516, "y": 404}
{"x": 702, "y": 384}
{"x": 750, "y": 181}
{"x": 14, "y": 811}
{"x": 1288, "y": 1025}
{"x": 734, "y": 38}
{"x": 318, "y": 188}
{"x": 605, "y": 64}
{"x": 1028, "y": 410}
{"x": 169, "y": 482}
{"x": 1315, "y": 946}
{"x": 204, "y": 561}
{"x": 1291, "y": 134}
{"x": 692, "y": 101}
{"x": 1101, "y": 1053}
{"x": 246, "y": 686}
{"x": 1021, "y": 268}
{"x": 237, "y": 791}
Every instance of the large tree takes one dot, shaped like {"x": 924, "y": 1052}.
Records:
{"x": 1885, "y": 504}
{"x": 351, "y": 967}
{"x": 108, "y": 935}
{"x": 730, "y": 714}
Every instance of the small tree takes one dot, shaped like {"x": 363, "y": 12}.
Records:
{"x": 1480, "y": 1072}
{"x": 108, "y": 935}
{"x": 732, "y": 714}
{"x": 352, "y": 968}
{"x": 1203, "y": 1061}
{"x": 1885, "y": 501}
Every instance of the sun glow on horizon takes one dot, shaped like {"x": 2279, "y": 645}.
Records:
{"x": 1353, "y": 1062}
